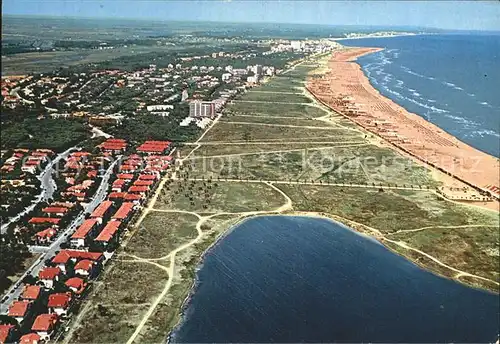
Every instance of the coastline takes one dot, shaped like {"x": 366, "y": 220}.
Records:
{"x": 381, "y": 36}
{"x": 359, "y": 229}
{"x": 346, "y": 90}
{"x": 199, "y": 264}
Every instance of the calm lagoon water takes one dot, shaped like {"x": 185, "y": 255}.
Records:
{"x": 300, "y": 279}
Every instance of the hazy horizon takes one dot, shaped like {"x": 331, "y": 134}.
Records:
{"x": 444, "y": 15}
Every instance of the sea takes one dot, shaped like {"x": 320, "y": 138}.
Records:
{"x": 303, "y": 279}
{"x": 452, "y": 80}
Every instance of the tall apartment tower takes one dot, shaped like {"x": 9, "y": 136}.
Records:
{"x": 201, "y": 109}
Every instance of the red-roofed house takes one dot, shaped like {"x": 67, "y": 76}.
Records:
{"x": 92, "y": 174}
{"x": 64, "y": 257}
{"x": 20, "y": 310}
{"x": 85, "y": 232}
{"x": 116, "y": 195}
{"x": 118, "y": 185}
{"x": 102, "y": 211}
{"x": 55, "y": 211}
{"x": 108, "y": 233}
{"x": 114, "y": 145}
{"x": 44, "y": 325}
{"x": 147, "y": 177}
{"x": 7, "y": 333}
{"x": 31, "y": 292}
{"x": 48, "y": 275}
{"x": 30, "y": 338}
{"x": 128, "y": 168}
{"x": 43, "y": 221}
{"x": 126, "y": 176}
{"x": 141, "y": 182}
{"x": 59, "y": 303}
{"x": 138, "y": 189}
{"x": 124, "y": 212}
{"x": 76, "y": 285}
{"x": 85, "y": 267}
{"x": 45, "y": 236}
{"x": 134, "y": 198}
{"x": 154, "y": 147}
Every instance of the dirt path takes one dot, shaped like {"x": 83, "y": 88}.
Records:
{"x": 170, "y": 269}
{"x": 273, "y": 142}
{"x": 286, "y": 125}
{"x": 265, "y": 102}
{"x": 460, "y": 272}
{"x": 376, "y": 186}
{"x": 435, "y": 227}
{"x": 275, "y": 152}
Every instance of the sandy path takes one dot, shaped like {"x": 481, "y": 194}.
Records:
{"x": 267, "y": 102}
{"x": 358, "y": 144}
{"x": 285, "y": 125}
{"x": 437, "y": 227}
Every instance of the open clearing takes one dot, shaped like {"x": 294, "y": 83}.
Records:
{"x": 216, "y": 197}
{"x": 249, "y": 132}
{"x": 273, "y": 97}
{"x": 281, "y": 109}
{"x": 161, "y": 233}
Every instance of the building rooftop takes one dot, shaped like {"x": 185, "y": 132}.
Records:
{"x": 44, "y": 322}
{"x": 59, "y": 300}
{"x": 109, "y": 231}
{"x": 31, "y": 292}
{"x": 19, "y": 308}
{"x": 49, "y": 273}
{"x": 84, "y": 229}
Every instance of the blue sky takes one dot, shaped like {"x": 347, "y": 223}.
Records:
{"x": 474, "y": 15}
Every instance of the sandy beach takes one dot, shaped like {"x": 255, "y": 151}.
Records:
{"x": 345, "y": 89}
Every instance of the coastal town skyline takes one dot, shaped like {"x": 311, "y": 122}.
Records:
{"x": 463, "y": 15}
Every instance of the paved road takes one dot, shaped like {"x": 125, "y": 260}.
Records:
{"x": 47, "y": 185}
{"x": 48, "y": 252}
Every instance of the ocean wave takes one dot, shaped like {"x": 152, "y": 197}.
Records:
{"x": 483, "y": 133}
{"x": 431, "y": 108}
{"x": 431, "y": 100}
{"x": 416, "y": 94}
{"x": 452, "y": 85}
{"x": 409, "y": 71}
{"x": 397, "y": 94}
{"x": 488, "y": 105}
{"x": 467, "y": 124}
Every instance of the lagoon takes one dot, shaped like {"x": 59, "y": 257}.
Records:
{"x": 302, "y": 279}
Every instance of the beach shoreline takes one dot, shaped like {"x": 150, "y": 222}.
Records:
{"x": 346, "y": 90}
{"x": 381, "y": 36}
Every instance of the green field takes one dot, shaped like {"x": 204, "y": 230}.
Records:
{"x": 217, "y": 197}
{"x": 160, "y": 233}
